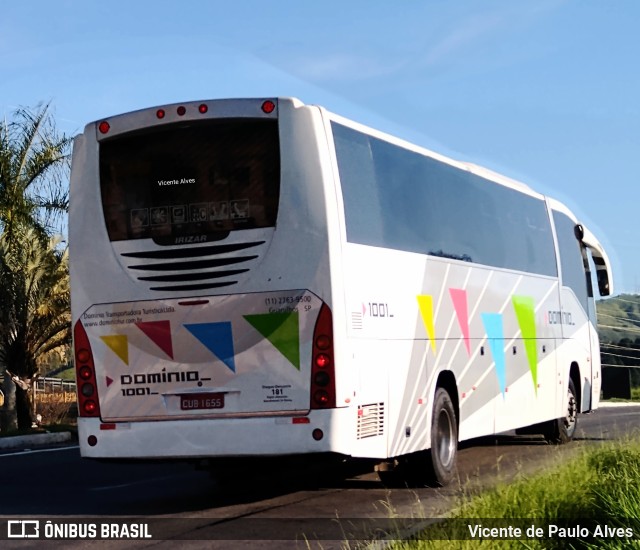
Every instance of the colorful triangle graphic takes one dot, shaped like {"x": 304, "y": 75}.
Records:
{"x": 526, "y": 315}
{"x": 118, "y": 344}
{"x": 217, "y": 338}
{"x": 159, "y": 332}
{"x": 495, "y": 333}
{"x": 425, "y": 303}
{"x": 460, "y": 303}
{"x": 282, "y": 330}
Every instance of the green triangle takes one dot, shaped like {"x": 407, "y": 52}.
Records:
{"x": 281, "y": 329}
{"x": 525, "y": 312}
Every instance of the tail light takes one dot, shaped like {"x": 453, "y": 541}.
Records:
{"x": 88, "y": 404}
{"x": 323, "y": 380}
{"x": 268, "y": 107}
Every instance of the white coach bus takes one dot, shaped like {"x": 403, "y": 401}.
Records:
{"x": 265, "y": 278}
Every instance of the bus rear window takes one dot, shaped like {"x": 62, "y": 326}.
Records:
{"x": 200, "y": 179}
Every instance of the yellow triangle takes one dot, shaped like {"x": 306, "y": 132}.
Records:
{"x": 119, "y": 345}
{"x": 425, "y": 303}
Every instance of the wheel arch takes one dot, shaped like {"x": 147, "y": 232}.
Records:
{"x": 447, "y": 380}
{"x": 574, "y": 374}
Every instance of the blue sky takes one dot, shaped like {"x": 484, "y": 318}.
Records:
{"x": 547, "y": 92}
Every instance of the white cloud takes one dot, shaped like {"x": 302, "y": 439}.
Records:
{"x": 342, "y": 66}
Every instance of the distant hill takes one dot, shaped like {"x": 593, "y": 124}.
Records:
{"x": 619, "y": 331}
{"x": 619, "y": 319}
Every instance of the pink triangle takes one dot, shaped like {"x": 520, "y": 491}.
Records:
{"x": 109, "y": 381}
{"x": 159, "y": 332}
{"x": 459, "y": 297}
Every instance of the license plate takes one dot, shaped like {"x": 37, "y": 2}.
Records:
{"x": 200, "y": 401}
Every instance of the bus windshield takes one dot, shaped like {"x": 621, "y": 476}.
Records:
{"x": 204, "y": 179}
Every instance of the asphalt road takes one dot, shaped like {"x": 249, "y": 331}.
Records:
{"x": 265, "y": 503}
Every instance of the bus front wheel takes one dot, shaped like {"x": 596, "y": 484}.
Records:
{"x": 444, "y": 440}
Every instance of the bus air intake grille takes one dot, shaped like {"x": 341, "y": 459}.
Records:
{"x": 192, "y": 268}
{"x": 193, "y": 264}
{"x": 191, "y": 252}
{"x": 370, "y": 420}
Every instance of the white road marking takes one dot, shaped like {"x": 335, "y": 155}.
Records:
{"x": 33, "y": 451}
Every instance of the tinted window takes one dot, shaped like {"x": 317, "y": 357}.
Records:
{"x": 396, "y": 198}
{"x": 572, "y": 262}
{"x": 192, "y": 179}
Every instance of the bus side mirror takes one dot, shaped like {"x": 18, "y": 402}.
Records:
{"x": 603, "y": 282}
{"x": 600, "y": 259}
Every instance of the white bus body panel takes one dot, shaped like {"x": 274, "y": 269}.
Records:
{"x": 295, "y": 255}
{"x": 412, "y": 317}
{"x": 400, "y": 320}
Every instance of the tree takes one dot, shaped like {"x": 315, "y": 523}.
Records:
{"x": 35, "y": 318}
{"x": 34, "y": 165}
{"x": 34, "y": 287}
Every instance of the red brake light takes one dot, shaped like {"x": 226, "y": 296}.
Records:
{"x": 104, "y": 127}
{"x": 181, "y": 110}
{"x": 268, "y": 107}
{"x": 323, "y": 384}
{"x": 321, "y": 397}
{"x": 322, "y": 360}
{"x": 160, "y": 113}
{"x": 203, "y": 109}
{"x": 85, "y": 372}
{"x": 323, "y": 342}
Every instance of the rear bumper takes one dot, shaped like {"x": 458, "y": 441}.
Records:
{"x": 209, "y": 438}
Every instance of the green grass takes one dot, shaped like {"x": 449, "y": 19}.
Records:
{"x": 635, "y": 396}
{"x": 67, "y": 374}
{"x": 598, "y": 487}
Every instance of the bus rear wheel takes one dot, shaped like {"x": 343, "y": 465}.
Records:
{"x": 563, "y": 429}
{"x": 444, "y": 440}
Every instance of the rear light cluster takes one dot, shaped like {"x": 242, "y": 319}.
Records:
{"x": 88, "y": 404}
{"x": 323, "y": 383}
{"x": 267, "y": 107}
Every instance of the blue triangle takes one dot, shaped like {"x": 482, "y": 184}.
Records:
{"x": 493, "y": 325}
{"x": 218, "y": 340}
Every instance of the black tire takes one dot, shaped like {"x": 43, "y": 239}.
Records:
{"x": 563, "y": 429}
{"x": 444, "y": 441}
{"x": 435, "y": 467}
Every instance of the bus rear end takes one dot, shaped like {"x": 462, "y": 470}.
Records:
{"x": 200, "y": 272}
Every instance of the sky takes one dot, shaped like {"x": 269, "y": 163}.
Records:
{"x": 545, "y": 91}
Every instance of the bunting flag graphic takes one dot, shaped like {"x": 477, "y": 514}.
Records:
{"x": 425, "y": 303}
{"x": 118, "y": 344}
{"x": 283, "y": 332}
{"x": 460, "y": 303}
{"x": 159, "y": 332}
{"x": 217, "y": 338}
{"x": 526, "y": 315}
{"x": 495, "y": 333}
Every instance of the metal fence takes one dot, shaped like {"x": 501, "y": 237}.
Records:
{"x": 54, "y": 385}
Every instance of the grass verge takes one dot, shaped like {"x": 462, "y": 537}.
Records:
{"x": 598, "y": 488}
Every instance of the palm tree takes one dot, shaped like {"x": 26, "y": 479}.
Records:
{"x": 35, "y": 318}
{"x": 34, "y": 162}
{"x": 34, "y": 287}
